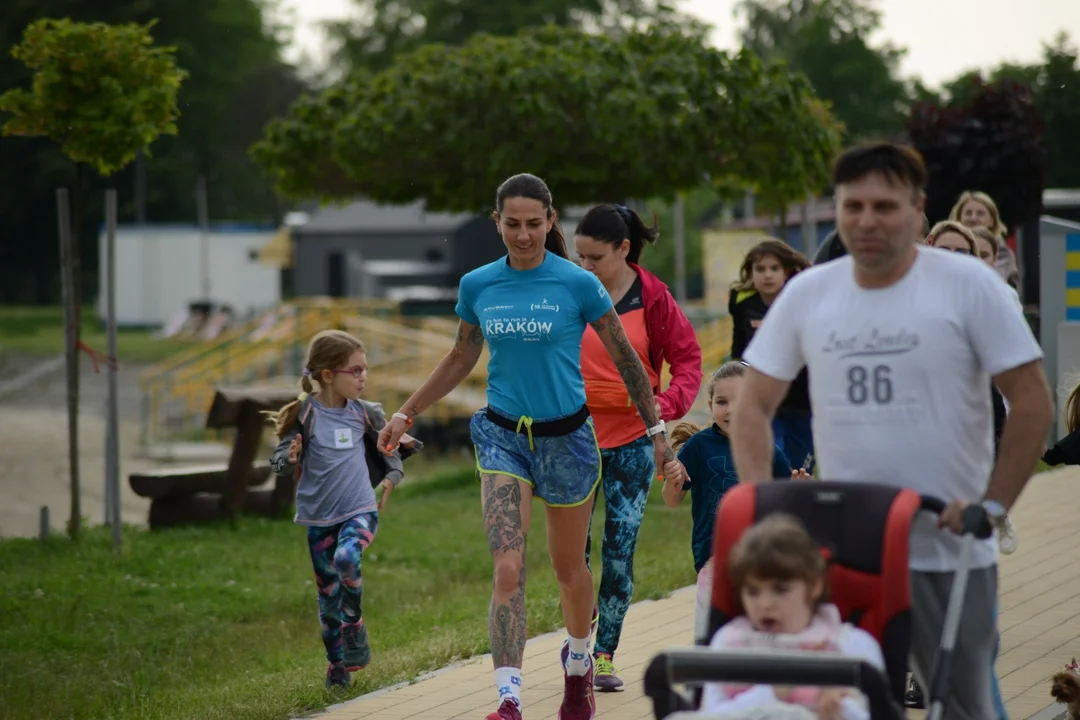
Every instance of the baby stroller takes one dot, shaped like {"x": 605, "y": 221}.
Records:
{"x": 863, "y": 531}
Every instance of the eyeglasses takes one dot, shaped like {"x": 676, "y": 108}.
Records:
{"x": 356, "y": 371}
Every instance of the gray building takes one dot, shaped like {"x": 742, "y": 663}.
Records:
{"x": 364, "y": 249}
{"x": 400, "y": 252}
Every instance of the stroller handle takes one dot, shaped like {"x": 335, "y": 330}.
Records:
{"x": 975, "y": 519}
{"x": 700, "y": 665}
{"x": 932, "y": 504}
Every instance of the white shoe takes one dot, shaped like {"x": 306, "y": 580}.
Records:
{"x": 1008, "y": 540}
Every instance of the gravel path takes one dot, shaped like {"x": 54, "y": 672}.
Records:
{"x": 34, "y": 470}
{"x": 34, "y": 450}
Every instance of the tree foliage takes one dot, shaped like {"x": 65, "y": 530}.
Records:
{"x": 103, "y": 92}
{"x": 828, "y": 41}
{"x": 1055, "y": 84}
{"x": 992, "y": 141}
{"x": 237, "y": 82}
{"x": 598, "y": 117}
{"x": 384, "y": 29}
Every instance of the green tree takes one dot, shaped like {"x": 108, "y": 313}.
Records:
{"x": 992, "y": 141}
{"x": 643, "y": 115}
{"x": 1055, "y": 85}
{"x": 829, "y": 42}
{"x": 384, "y": 29}
{"x": 1057, "y": 96}
{"x": 237, "y": 83}
{"x": 103, "y": 93}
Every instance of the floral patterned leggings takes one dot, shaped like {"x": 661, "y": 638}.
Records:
{"x": 336, "y": 552}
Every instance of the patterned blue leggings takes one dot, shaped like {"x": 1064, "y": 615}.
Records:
{"x": 627, "y": 475}
{"x": 336, "y": 552}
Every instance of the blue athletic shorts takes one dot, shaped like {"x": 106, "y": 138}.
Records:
{"x": 562, "y": 470}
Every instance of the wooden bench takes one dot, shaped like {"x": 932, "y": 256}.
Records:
{"x": 170, "y": 482}
{"x": 212, "y": 493}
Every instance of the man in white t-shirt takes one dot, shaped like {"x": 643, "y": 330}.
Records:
{"x": 901, "y": 341}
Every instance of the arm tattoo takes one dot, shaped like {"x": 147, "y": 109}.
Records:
{"x": 629, "y": 365}
{"x": 475, "y": 338}
{"x": 506, "y": 535}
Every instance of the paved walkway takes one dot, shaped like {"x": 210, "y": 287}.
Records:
{"x": 1040, "y": 624}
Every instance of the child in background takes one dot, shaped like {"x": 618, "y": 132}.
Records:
{"x": 779, "y": 575}
{"x": 335, "y": 497}
{"x": 765, "y": 270}
{"x": 1067, "y": 450}
{"x": 706, "y": 470}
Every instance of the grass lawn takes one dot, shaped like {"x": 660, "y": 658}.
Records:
{"x": 40, "y": 331}
{"x": 220, "y": 623}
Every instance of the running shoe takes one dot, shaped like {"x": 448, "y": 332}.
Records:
{"x": 606, "y": 679}
{"x": 509, "y": 710}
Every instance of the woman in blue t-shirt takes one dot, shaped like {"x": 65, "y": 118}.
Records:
{"x": 535, "y": 437}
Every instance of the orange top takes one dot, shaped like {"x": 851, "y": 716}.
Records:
{"x": 617, "y": 420}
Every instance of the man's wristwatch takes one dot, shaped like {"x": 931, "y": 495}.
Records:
{"x": 995, "y": 511}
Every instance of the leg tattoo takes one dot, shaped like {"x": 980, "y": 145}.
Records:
{"x": 506, "y": 626}
{"x": 503, "y": 521}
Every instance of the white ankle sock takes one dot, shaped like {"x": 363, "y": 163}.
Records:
{"x": 508, "y": 683}
{"x": 578, "y": 661}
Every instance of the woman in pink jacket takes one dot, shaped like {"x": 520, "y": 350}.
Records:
{"x": 609, "y": 240}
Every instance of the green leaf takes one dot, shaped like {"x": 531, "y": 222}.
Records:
{"x": 599, "y": 117}
{"x": 102, "y": 92}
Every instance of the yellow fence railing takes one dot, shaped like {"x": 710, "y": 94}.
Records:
{"x": 271, "y": 348}
{"x": 177, "y": 393}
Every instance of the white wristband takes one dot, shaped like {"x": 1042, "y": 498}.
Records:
{"x": 657, "y": 429}
{"x": 402, "y": 416}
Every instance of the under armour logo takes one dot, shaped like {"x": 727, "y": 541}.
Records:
{"x": 577, "y": 656}
{"x": 515, "y": 681}
{"x": 505, "y": 690}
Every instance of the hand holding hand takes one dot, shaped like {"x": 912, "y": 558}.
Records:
{"x": 662, "y": 452}
{"x": 675, "y": 473}
{"x": 390, "y": 435}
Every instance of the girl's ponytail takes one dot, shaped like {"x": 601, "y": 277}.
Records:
{"x": 287, "y": 416}
{"x": 681, "y": 433}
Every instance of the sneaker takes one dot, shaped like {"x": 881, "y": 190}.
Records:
{"x": 605, "y": 679}
{"x": 578, "y": 702}
{"x": 1008, "y": 540}
{"x": 354, "y": 640}
{"x": 914, "y": 696}
{"x": 337, "y": 676}
{"x": 509, "y": 710}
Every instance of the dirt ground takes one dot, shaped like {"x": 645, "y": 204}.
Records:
{"x": 34, "y": 449}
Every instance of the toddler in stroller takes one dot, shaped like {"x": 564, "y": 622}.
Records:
{"x": 778, "y": 574}
{"x": 862, "y": 530}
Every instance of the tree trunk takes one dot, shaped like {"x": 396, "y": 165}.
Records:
{"x": 63, "y": 197}
{"x": 79, "y": 201}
